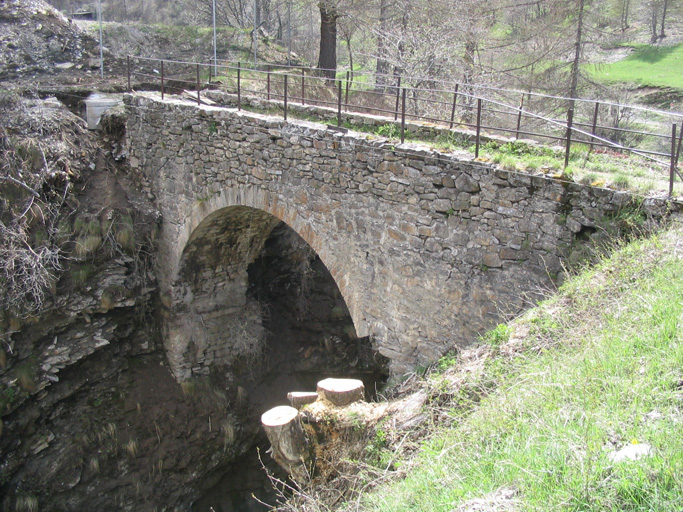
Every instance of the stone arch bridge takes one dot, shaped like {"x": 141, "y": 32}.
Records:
{"x": 427, "y": 249}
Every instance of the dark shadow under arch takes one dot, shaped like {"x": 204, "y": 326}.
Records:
{"x": 264, "y": 317}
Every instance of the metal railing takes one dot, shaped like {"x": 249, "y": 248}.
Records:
{"x": 652, "y": 134}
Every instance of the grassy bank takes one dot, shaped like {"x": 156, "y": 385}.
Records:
{"x": 648, "y": 65}
{"x": 595, "y": 369}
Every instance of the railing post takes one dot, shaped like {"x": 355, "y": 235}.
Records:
{"x": 403, "y": 116}
{"x": 568, "y": 143}
{"x": 398, "y": 95}
{"x": 239, "y": 86}
{"x": 478, "y": 137}
{"x": 268, "y": 82}
{"x": 346, "y": 100}
{"x": 303, "y": 86}
{"x": 672, "y": 167}
{"x": 286, "y": 96}
{"x": 519, "y": 116}
{"x": 162, "y": 79}
{"x": 595, "y": 124}
{"x": 339, "y": 102}
{"x": 198, "y": 99}
{"x": 128, "y": 68}
{"x": 455, "y": 101}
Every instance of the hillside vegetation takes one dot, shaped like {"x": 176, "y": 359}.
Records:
{"x": 533, "y": 417}
{"x": 647, "y": 65}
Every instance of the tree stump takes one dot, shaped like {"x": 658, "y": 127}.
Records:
{"x": 288, "y": 442}
{"x": 341, "y": 392}
{"x": 300, "y": 398}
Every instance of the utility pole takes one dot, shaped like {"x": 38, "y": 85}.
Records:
{"x": 289, "y": 32}
{"x": 99, "y": 15}
{"x": 215, "y": 60}
{"x": 256, "y": 25}
{"x": 578, "y": 46}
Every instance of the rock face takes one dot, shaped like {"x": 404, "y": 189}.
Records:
{"x": 92, "y": 418}
{"x": 36, "y": 38}
{"x": 427, "y": 249}
{"x": 90, "y": 415}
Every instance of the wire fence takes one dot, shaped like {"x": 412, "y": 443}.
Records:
{"x": 602, "y": 126}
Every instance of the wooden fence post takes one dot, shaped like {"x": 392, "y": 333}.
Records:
{"x": 455, "y": 100}
{"x": 398, "y": 95}
{"x": 286, "y": 96}
{"x": 595, "y": 124}
{"x": 568, "y": 143}
{"x": 403, "y": 116}
{"x": 339, "y": 102}
{"x": 268, "y": 82}
{"x": 519, "y": 116}
{"x": 346, "y": 100}
{"x": 303, "y": 86}
{"x": 239, "y": 86}
{"x": 198, "y": 87}
{"x": 478, "y": 137}
{"x": 672, "y": 167}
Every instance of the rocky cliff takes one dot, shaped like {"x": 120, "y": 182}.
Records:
{"x": 90, "y": 415}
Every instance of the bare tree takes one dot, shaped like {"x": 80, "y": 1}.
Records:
{"x": 657, "y": 10}
{"x": 578, "y": 48}
{"x": 625, "y": 6}
{"x": 664, "y": 7}
{"x": 327, "y": 58}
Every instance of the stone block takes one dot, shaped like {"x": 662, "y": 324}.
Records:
{"x": 448, "y": 182}
{"x": 491, "y": 260}
{"x": 466, "y": 183}
{"x": 507, "y": 253}
{"x": 396, "y": 235}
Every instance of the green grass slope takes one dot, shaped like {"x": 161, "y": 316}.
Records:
{"x": 594, "y": 369}
{"x": 651, "y": 66}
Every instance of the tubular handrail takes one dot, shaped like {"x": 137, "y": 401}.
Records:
{"x": 434, "y": 104}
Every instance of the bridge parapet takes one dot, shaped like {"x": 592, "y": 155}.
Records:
{"x": 428, "y": 249}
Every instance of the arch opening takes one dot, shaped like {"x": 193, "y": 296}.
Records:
{"x": 256, "y": 311}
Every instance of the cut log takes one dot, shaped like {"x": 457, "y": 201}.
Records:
{"x": 341, "y": 392}
{"x": 300, "y": 398}
{"x": 288, "y": 441}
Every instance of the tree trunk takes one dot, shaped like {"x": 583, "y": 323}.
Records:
{"x": 654, "y": 15}
{"x": 578, "y": 45}
{"x": 288, "y": 442}
{"x": 383, "y": 67}
{"x": 664, "y": 7}
{"x": 300, "y": 398}
{"x": 257, "y": 13}
{"x": 327, "y": 59}
{"x": 341, "y": 392}
{"x": 348, "y": 46}
{"x": 468, "y": 78}
{"x": 624, "y": 14}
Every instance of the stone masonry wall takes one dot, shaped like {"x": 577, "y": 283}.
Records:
{"x": 428, "y": 249}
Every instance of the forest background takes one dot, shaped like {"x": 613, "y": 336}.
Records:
{"x": 566, "y": 48}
